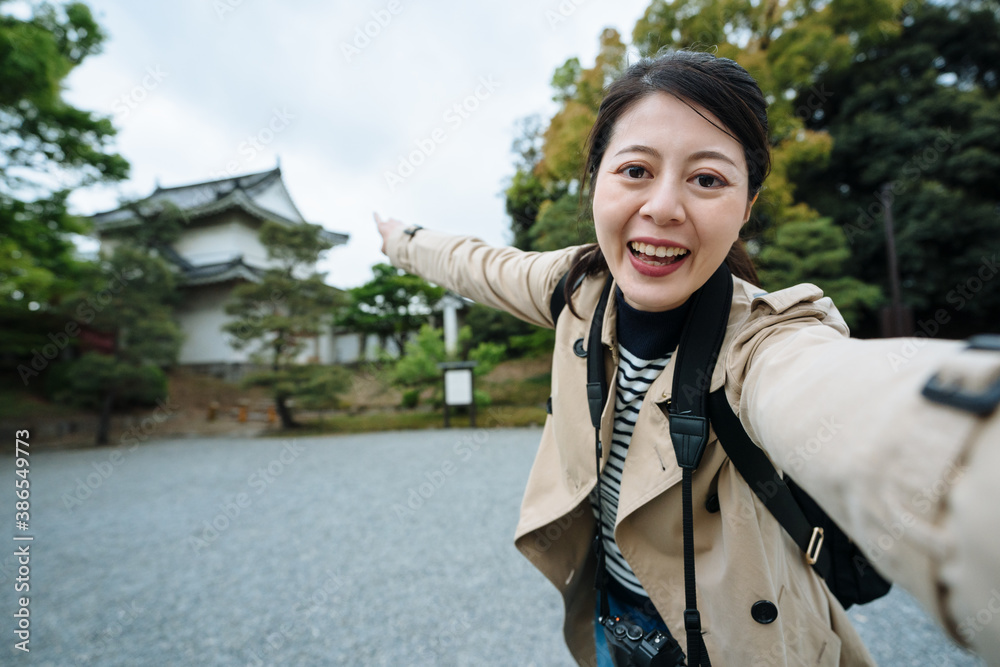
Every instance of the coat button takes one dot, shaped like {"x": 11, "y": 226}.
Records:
{"x": 712, "y": 503}
{"x": 764, "y": 611}
{"x": 578, "y": 348}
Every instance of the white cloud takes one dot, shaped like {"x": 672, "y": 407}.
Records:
{"x": 231, "y": 65}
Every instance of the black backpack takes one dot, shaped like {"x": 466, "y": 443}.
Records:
{"x": 846, "y": 570}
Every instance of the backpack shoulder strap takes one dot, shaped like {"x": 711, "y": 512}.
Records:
{"x": 701, "y": 340}
{"x": 558, "y": 300}
{"x": 764, "y": 480}
{"x": 692, "y": 405}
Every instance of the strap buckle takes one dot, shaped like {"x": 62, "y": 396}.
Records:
{"x": 982, "y": 403}
{"x": 815, "y": 545}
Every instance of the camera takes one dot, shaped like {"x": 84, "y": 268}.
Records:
{"x": 630, "y": 646}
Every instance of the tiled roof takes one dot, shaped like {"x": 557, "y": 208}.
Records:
{"x": 245, "y": 192}
{"x": 234, "y": 269}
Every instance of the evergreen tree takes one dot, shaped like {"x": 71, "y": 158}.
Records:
{"x": 47, "y": 149}
{"x": 129, "y": 295}
{"x": 277, "y": 317}
{"x": 392, "y": 305}
{"x": 815, "y": 251}
{"x": 915, "y": 123}
{"x": 544, "y": 191}
{"x": 786, "y": 45}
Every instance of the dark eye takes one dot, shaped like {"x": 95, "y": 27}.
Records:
{"x": 709, "y": 181}
{"x": 635, "y": 172}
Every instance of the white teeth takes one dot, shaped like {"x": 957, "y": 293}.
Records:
{"x": 657, "y": 251}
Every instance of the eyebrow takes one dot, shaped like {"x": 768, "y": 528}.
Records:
{"x": 639, "y": 148}
{"x": 700, "y": 155}
{"x": 713, "y": 155}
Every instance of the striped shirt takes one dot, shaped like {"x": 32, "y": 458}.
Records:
{"x": 646, "y": 341}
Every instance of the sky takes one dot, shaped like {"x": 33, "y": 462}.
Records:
{"x": 404, "y": 107}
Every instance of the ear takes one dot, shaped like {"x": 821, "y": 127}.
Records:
{"x": 746, "y": 214}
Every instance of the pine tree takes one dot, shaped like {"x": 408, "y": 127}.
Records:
{"x": 277, "y": 317}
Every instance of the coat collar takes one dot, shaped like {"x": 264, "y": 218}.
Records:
{"x": 651, "y": 465}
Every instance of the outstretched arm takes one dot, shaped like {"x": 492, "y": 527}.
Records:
{"x": 510, "y": 279}
{"x": 915, "y": 483}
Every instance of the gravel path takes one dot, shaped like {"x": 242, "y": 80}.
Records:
{"x": 381, "y": 549}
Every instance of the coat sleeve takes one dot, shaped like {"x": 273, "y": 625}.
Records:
{"x": 513, "y": 280}
{"x": 915, "y": 483}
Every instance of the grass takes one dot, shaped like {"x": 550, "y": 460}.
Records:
{"x": 491, "y": 417}
{"x": 518, "y": 390}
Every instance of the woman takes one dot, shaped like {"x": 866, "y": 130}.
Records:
{"x": 677, "y": 157}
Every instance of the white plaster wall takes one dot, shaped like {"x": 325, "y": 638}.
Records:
{"x": 221, "y": 241}
{"x": 327, "y": 352}
{"x": 201, "y": 316}
{"x": 347, "y": 348}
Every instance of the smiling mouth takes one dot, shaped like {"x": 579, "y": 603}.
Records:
{"x": 657, "y": 255}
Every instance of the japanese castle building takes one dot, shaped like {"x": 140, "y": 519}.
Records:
{"x": 219, "y": 249}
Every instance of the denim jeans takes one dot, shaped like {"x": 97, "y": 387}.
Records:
{"x": 629, "y": 613}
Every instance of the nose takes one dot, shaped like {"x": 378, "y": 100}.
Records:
{"x": 664, "y": 203}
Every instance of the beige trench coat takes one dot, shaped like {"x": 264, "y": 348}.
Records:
{"x": 911, "y": 481}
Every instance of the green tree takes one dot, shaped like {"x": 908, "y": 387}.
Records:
{"x": 417, "y": 368}
{"x": 47, "y": 149}
{"x": 130, "y": 295}
{"x": 392, "y": 305}
{"x": 544, "y": 190}
{"x": 787, "y": 45}
{"x": 815, "y": 251}
{"x": 915, "y": 122}
{"x": 525, "y": 192}
{"x": 276, "y": 318}
{"x": 497, "y": 326}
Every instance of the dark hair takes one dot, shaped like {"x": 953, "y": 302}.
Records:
{"x": 718, "y": 85}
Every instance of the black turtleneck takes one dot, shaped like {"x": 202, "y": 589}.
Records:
{"x": 649, "y": 335}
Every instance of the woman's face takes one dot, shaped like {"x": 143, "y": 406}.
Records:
{"x": 670, "y": 196}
